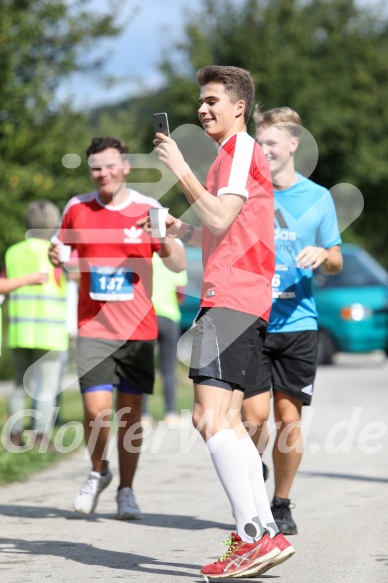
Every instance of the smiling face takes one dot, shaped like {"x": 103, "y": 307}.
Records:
{"x": 279, "y": 147}
{"x": 108, "y": 170}
{"x": 220, "y": 117}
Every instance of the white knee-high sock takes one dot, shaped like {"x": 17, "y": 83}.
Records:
{"x": 259, "y": 492}
{"x": 232, "y": 469}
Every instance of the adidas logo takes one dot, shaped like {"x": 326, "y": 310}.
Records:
{"x": 133, "y": 235}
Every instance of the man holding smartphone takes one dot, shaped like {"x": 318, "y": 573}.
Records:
{"x": 237, "y": 240}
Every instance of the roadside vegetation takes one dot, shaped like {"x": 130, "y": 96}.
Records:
{"x": 325, "y": 58}
{"x": 67, "y": 436}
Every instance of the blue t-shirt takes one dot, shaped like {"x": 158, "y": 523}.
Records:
{"x": 304, "y": 215}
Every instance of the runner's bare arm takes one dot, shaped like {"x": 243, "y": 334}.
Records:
{"x": 329, "y": 259}
{"x": 216, "y": 212}
{"x": 173, "y": 254}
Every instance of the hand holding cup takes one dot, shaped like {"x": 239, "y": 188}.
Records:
{"x": 158, "y": 218}
{"x": 64, "y": 253}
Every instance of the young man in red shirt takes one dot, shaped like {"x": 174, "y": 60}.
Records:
{"x": 237, "y": 240}
{"x": 116, "y": 319}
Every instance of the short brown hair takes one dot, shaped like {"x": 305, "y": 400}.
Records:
{"x": 238, "y": 84}
{"x": 103, "y": 143}
{"x": 284, "y": 117}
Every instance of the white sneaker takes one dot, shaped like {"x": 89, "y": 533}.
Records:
{"x": 127, "y": 508}
{"x": 86, "y": 500}
{"x": 146, "y": 419}
{"x": 173, "y": 420}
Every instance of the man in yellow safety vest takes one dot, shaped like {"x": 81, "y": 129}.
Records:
{"x": 37, "y": 332}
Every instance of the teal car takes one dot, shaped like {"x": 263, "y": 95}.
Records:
{"x": 190, "y": 304}
{"x": 352, "y": 305}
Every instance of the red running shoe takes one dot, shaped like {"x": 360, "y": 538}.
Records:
{"x": 241, "y": 557}
{"x": 286, "y": 551}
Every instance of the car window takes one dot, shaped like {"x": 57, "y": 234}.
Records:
{"x": 359, "y": 269}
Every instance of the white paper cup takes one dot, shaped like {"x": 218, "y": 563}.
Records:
{"x": 64, "y": 253}
{"x": 158, "y": 218}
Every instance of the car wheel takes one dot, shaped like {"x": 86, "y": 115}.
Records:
{"x": 326, "y": 347}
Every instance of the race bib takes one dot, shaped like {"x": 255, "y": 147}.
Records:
{"x": 109, "y": 284}
{"x": 283, "y": 282}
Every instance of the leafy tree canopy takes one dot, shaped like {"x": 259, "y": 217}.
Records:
{"x": 327, "y": 59}
{"x": 324, "y": 58}
{"x": 41, "y": 43}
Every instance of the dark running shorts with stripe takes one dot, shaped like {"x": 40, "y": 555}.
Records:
{"x": 106, "y": 362}
{"x": 227, "y": 346}
{"x": 288, "y": 365}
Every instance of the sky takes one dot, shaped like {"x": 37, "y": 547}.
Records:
{"x": 149, "y": 28}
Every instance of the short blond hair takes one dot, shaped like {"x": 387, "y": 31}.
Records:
{"x": 284, "y": 117}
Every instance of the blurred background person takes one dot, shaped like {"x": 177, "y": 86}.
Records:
{"x": 8, "y": 285}
{"x": 167, "y": 293}
{"x": 37, "y": 333}
{"x": 68, "y": 356}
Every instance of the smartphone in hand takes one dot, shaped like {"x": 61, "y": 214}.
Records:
{"x": 161, "y": 124}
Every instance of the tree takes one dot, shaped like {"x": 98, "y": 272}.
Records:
{"x": 40, "y": 44}
{"x": 324, "y": 58}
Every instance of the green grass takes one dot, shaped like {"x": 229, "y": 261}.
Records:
{"x": 19, "y": 466}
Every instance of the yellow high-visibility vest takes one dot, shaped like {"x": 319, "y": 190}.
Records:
{"x": 37, "y": 313}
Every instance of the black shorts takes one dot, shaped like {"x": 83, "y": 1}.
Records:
{"x": 130, "y": 365}
{"x": 288, "y": 365}
{"x": 227, "y": 346}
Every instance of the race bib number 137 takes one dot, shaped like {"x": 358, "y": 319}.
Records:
{"x": 109, "y": 284}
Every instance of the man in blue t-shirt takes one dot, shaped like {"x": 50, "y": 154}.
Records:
{"x": 306, "y": 237}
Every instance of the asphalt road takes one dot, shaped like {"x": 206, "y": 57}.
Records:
{"x": 339, "y": 495}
